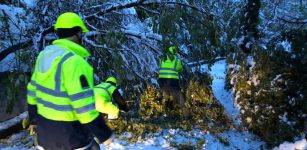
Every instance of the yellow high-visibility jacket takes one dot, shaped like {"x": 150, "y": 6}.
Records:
{"x": 55, "y": 86}
{"x": 170, "y": 68}
{"x": 103, "y": 94}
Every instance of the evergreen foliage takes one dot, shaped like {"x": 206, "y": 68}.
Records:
{"x": 155, "y": 113}
{"x": 271, "y": 89}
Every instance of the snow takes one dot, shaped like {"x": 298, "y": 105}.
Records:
{"x": 298, "y": 145}
{"x": 164, "y": 139}
{"x": 130, "y": 11}
{"x": 30, "y": 3}
{"x": 240, "y": 41}
{"x": 8, "y": 63}
{"x": 218, "y": 72}
{"x": 12, "y": 14}
{"x": 286, "y": 45}
{"x": 19, "y": 141}
{"x": 7, "y": 124}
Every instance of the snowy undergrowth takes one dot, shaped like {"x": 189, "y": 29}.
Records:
{"x": 164, "y": 139}
{"x": 178, "y": 138}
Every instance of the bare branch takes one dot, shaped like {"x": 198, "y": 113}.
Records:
{"x": 113, "y": 8}
{"x": 14, "y": 48}
{"x": 149, "y": 10}
{"x": 191, "y": 64}
{"x": 180, "y": 4}
{"x": 293, "y": 22}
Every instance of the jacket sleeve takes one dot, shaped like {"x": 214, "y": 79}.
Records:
{"x": 32, "y": 101}
{"x": 120, "y": 100}
{"x": 77, "y": 76}
{"x": 179, "y": 66}
{"x": 104, "y": 106}
{"x": 76, "y": 71}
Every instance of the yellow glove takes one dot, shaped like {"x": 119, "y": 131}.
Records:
{"x": 26, "y": 125}
{"x": 107, "y": 108}
{"x": 25, "y": 122}
{"x": 113, "y": 116}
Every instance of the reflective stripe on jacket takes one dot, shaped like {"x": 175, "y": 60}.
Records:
{"x": 55, "y": 86}
{"x": 103, "y": 95}
{"x": 170, "y": 68}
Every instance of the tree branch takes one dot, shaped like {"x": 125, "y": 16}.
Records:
{"x": 292, "y": 22}
{"x": 14, "y": 48}
{"x": 149, "y": 10}
{"x": 40, "y": 37}
{"x": 193, "y": 64}
{"x": 112, "y": 8}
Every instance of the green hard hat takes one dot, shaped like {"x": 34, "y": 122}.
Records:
{"x": 69, "y": 20}
{"x": 111, "y": 79}
{"x": 171, "y": 49}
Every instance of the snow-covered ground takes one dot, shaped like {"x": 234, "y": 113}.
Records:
{"x": 164, "y": 139}
{"x": 168, "y": 138}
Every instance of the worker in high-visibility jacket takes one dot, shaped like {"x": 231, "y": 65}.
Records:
{"x": 60, "y": 94}
{"x": 169, "y": 79}
{"x": 104, "y": 93}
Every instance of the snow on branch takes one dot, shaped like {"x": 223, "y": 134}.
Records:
{"x": 38, "y": 40}
{"x": 141, "y": 3}
{"x": 10, "y": 124}
{"x": 149, "y": 10}
{"x": 198, "y": 63}
{"x": 177, "y": 3}
{"x": 152, "y": 36}
{"x": 115, "y": 7}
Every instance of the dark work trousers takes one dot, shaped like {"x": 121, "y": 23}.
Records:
{"x": 170, "y": 87}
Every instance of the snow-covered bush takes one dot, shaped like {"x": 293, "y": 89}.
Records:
{"x": 270, "y": 89}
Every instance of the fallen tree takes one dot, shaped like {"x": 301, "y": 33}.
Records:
{"x": 13, "y": 125}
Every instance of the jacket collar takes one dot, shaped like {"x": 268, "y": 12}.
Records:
{"x": 72, "y": 46}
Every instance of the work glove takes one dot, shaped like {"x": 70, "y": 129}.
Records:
{"x": 26, "y": 125}
{"x": 32, "y": 129}
{"x": 25, "y": 122}
{"x": 113, "y": 116}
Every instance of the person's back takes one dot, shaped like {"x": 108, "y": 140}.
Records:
{"x": 170, "y": 67}
{"x": 60, "y": 94}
